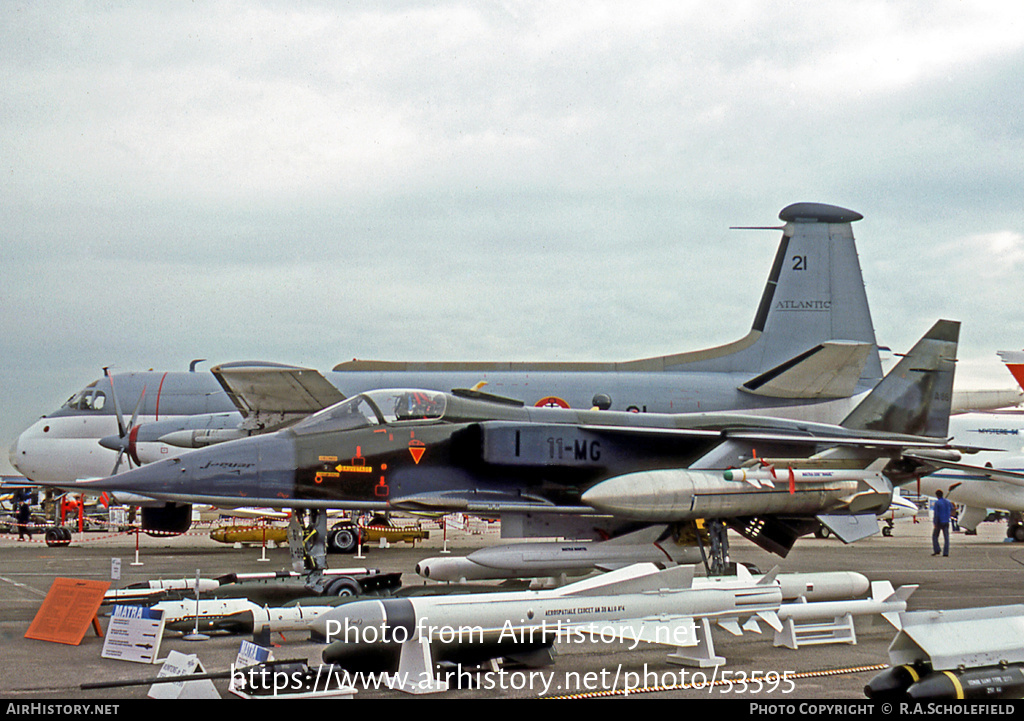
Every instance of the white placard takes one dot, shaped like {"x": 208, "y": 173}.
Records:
{"x": 134, "y": 634}
{"x": 180, "y": 664}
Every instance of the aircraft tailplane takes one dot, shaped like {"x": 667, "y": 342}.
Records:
{"x": 915, "y": 397}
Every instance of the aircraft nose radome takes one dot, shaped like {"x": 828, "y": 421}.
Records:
{"x": 642, "y": 495}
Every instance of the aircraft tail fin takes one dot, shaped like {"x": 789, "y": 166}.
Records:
{"x": 915, "y": 397}
{"x": 815, "y": 293}
{"x": 1014, "y": 360}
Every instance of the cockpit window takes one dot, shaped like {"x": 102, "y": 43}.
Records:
{"x": 355, "y": 412}
{"x": 408, "y": 405}
{"x": 87, "y": 400}
{"x": 374, "y": 408}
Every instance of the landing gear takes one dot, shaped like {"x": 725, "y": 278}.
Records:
{"x": 889, "y": 525}
{"x": 307, "y": 541}
{"x": 1015, "y": 526}
{"x": 718, "y": 563}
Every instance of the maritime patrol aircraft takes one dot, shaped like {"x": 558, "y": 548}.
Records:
{"x": 810, "y": 352}
{"x": 579, "y": 473}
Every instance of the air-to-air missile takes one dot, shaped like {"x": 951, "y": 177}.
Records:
{"x": 467, "y": 451}
{"x": 968, "y": 653}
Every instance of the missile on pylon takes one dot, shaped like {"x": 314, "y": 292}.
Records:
{"x": 671, "y": 495}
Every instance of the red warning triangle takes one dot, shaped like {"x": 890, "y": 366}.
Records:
{"x": 417, "y": 449}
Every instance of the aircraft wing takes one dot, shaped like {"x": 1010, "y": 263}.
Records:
{"x": 829, "y": 370}
{"x": 780, "y": 436}
{"x": 270, "y": 395}
{"x": 1015, "y": 478}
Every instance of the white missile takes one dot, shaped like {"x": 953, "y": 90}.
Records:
{"x": 637, "y": 603}
{"x": 181, "y": 615}
{"x": 559, "y": 559}
{"x": 677, "y": 494}
{"x": 832, "y": 621}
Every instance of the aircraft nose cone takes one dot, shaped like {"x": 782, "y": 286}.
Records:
{"x": 644, "y": 495}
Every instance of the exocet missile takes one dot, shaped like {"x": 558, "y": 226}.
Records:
{"x": 637, "y": 603}
{"x": 675, "y": 494}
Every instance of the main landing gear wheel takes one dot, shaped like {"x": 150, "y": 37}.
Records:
{"x": 342, "y": 540}
{"x": 57, "y": 537}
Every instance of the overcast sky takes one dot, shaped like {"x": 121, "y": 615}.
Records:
{"x": 310, "y": 182}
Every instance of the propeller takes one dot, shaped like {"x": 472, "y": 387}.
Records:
{"x": 124, "y": 442}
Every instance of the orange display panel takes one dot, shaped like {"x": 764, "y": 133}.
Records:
{"x": 68, "y": 610}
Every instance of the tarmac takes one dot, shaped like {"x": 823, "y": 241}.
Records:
{"x": 982, "y": 570}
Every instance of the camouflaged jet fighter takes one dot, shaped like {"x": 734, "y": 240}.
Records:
{"x": 579, "y": 474}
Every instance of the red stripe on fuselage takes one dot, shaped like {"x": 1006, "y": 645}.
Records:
{"x": 158, "y": 391}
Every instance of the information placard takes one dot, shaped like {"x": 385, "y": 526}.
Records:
{"x": 134, "y": 634}
{"x": 67, "y": 611}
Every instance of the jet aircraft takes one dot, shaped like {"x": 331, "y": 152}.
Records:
{"x": 810, "y": 353}
{"x": 995, "y": 477}
{"x": 535, "y": 467}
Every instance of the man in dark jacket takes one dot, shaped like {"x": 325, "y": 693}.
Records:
{"x": 942, "y": 511}
{"x": 24, "y": 519}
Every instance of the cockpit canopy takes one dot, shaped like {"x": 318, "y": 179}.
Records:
{"x": 87, "y": 399}
{"x": 375, "y": 408}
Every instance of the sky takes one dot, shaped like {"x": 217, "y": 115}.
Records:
{"x": 310, "y": 182}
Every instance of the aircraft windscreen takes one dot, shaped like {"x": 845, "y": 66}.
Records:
{"x": 355, "y": 412}
{"x": 374, "y": 408}
{"x": 89, "y": 399}
{"x": 409, "y": 405}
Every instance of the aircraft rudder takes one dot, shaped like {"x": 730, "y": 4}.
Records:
{"x": 916, "y": 396}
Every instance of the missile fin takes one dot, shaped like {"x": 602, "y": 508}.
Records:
{"x": 882, "y": 591}
{"x": 769, "y": 578}
{"x": 731, "y": 625}
{"x": 771, "y": 618}
{"x": 631, "y": 579}
{"x": 894, "y": 620}
{"x": 752, "y": 625}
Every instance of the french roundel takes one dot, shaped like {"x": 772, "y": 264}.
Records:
{"x": 551, "y": 402}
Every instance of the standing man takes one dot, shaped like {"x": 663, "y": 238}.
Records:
{"x": 942, "y": 511}
{"x": 24, "y": 522}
